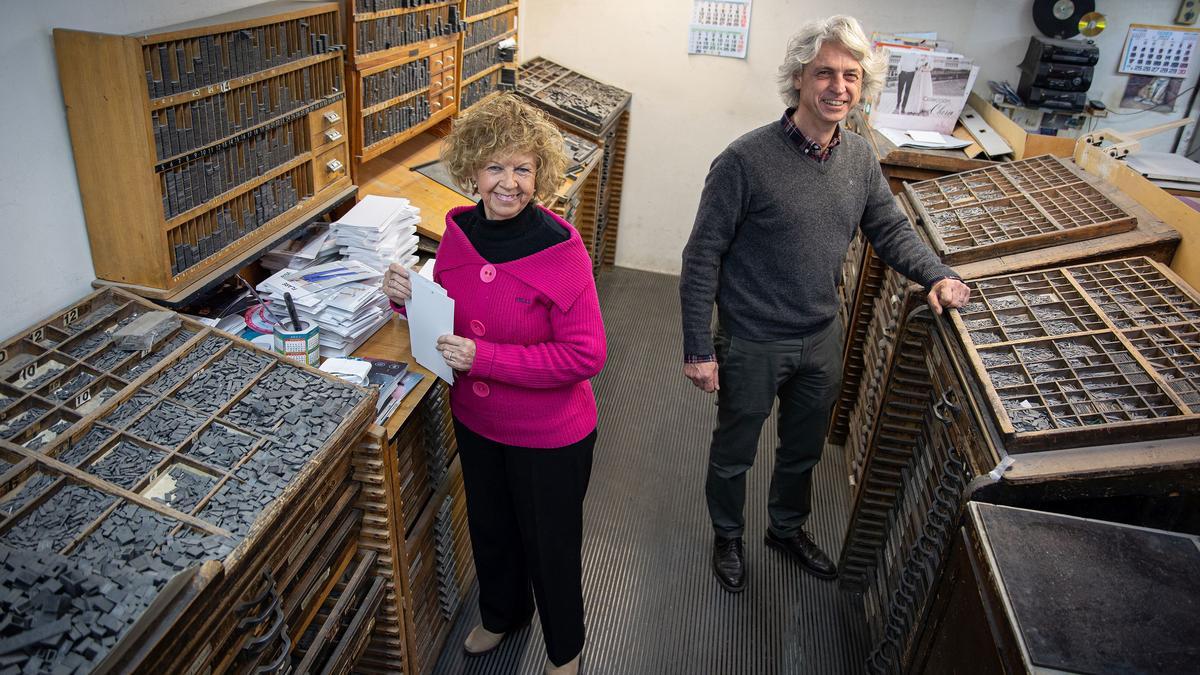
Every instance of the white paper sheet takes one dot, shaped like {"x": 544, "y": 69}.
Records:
{"x": 430, "y": 316}
{"x": 923, "y": 139}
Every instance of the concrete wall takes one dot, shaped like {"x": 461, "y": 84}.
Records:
{"x": 687, "y": 108}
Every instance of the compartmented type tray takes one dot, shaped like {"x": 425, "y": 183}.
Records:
{"x": 570, "y": 96}
{"x": 1113, "y": 345}
{"x": 1017, "y": 206}
{"x": 119, "y": 473}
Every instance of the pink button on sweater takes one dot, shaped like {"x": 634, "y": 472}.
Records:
{"x": 543, "y": 339}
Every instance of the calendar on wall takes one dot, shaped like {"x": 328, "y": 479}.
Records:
{"x": 1162, "y": 51}
{"x": 720, "y": 28}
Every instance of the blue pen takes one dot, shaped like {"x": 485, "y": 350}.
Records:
{"x": 331, "y": 274}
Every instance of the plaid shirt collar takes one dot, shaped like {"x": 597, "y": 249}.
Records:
{"x": 808, "y": 146}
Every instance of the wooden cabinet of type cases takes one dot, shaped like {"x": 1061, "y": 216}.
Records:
{"x": 1073, "y": 390}
{"x": 598, "y": 113}
{"x": 1033, "y": 592}
{"x": 410, "y": 62}
{"x": 484, "y": 68}
{"x": 417, "y": 521}
{"x": 187, "y": 508}
{"x": 195, "y": 142}
{"x": 1024, "y": 215}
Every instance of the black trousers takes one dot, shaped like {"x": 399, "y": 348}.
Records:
{"x": 804, "y": 374}
{"x": 904, "y": 83}
{"x": 525, "y": 515}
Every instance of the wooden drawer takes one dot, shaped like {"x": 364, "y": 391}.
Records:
{"x": 435, "y": 82}
{"x": 329, "y": 166}
{"x": 324, "y": 139}
{"x": 326, "y": 118}
{"x": 441, "y": 61}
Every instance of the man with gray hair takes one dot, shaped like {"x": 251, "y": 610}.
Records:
{"x": 778, "y": 212}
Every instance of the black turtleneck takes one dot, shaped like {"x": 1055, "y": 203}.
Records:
{"x": 500, "y": 241}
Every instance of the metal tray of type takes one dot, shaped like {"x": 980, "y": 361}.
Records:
{"x": 1013, "y": 207}
{"x": 1086, "y": 355}
{"x": 175, "y": 452}
{"x": 571, "y": 97}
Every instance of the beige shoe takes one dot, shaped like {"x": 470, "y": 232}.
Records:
{"x": 481, "y": 641}
{"x": 569, "y": 668}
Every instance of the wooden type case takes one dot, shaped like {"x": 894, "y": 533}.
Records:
{"x": 599, "y": 113}
{"x": 232, "y": 614}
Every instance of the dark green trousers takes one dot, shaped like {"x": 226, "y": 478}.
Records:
{"x": 804, "y": 374}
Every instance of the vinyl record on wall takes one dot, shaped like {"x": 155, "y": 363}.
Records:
{"x": 1060, "y": 18}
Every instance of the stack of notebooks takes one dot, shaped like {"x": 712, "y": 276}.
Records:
{"x": 343, "y": 297}
{"x": 379, "y": 231}
{"x": 395, "y": 381}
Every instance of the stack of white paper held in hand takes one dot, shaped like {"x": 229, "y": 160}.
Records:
{"x": 343, "y": 297}
{"x": 379, "y": 231}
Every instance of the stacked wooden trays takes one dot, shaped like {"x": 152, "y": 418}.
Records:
{"x": 137, "y": 467}
{"x": 1069, "y": 389}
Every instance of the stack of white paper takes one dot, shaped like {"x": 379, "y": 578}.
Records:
{"x": 316, "y": 248}
{"x": 343, "y": 297}
{"x": 379, "y": 231}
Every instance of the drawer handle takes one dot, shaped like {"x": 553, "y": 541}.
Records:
{"x": 332, "y": 135}
{"x": 946, "y": 403}
{"x": 251, "y": 622}
{"x": 256, "y": 645}
{"x": 332, "y": 117}
{"x": 268, "y": 589}
{"x": 334, "y": 165}
{"x": 284, "y": 652}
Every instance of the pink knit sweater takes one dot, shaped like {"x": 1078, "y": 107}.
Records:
{"x": 538, "y": 339}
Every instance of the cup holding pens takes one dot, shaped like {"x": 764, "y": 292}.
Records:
{"x": 301, "y": 346}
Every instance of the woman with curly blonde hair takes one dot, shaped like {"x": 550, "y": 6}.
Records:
{"x": 528, "y": 336}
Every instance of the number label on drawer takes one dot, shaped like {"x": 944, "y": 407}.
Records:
{"x": 332, "y": 117}
{"x": 83, "y": 398}
{"x": 70, "y": 317}
{"x": 332, "y": 135}
{"x": 334, "y": 165}
{"x": 36, "y": 336}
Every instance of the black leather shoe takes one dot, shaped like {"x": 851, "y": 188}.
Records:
{"x": 801, "y": 548}
{"x": 729, "y": 563}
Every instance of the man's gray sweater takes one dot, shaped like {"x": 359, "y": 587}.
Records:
{"x": 772, "y": 231}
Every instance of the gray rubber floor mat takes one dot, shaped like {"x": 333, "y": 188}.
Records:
{"x": 652, "y": 603}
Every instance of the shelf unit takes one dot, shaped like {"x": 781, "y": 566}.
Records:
{"x": 489, "y": 22}
{"x": 196, "y": 142}
{"x": 406, "y": 81}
